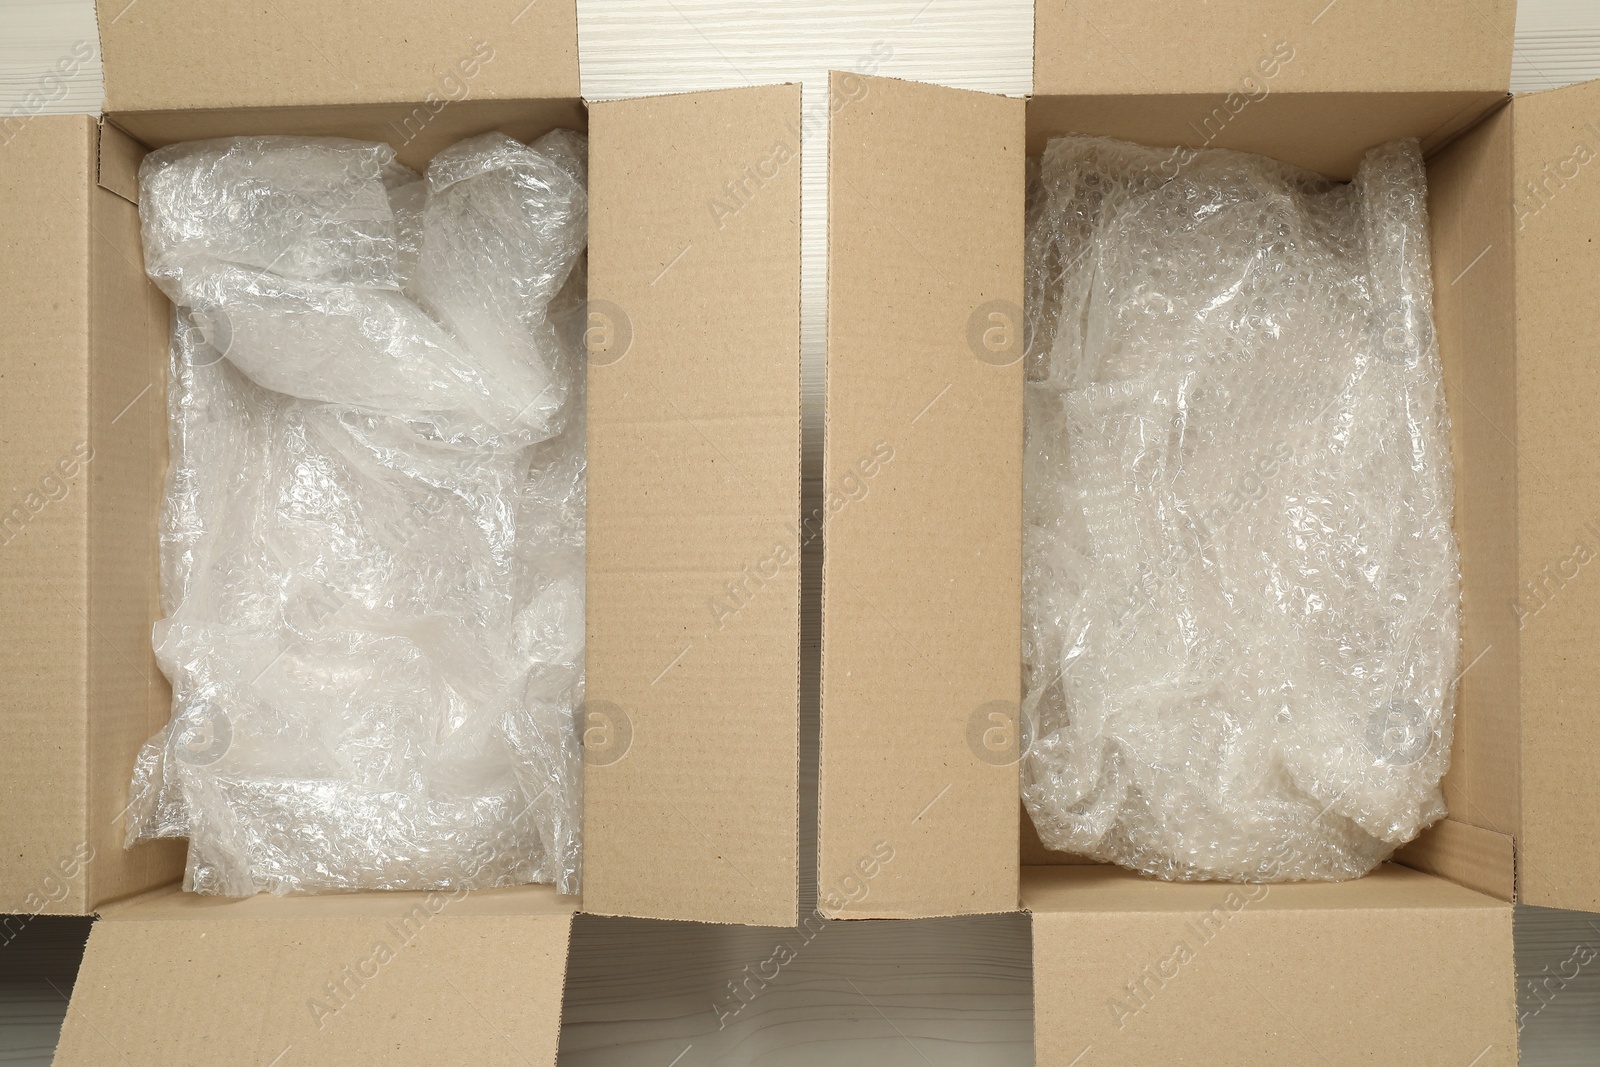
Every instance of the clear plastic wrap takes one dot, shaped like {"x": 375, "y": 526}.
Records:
{"x": 372, "y": 535}
{"x": 1241, "y": 582}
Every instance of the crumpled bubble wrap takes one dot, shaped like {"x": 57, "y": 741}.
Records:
{"x": 1241, "y": 582}
{"x": 372, "y": 535}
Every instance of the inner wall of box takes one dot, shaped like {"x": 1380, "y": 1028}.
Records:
{"x": 1466, "y": 137}
{"x": 417, "y": 131}
{"x": 129, "y": 700}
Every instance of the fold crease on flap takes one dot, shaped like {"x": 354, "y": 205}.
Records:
{"x": 1146, "y": 972}
{"x": 1236, "y": 46}
{"x": 1556, "y": 606}
{"x": 428, "y": 977}
{"x": 182, "y": 55}
{"x": 922, "y": 573}
{"x": 694, "y": 501}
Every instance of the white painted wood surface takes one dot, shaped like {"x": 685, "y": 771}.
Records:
{"x": 933, "y": 993}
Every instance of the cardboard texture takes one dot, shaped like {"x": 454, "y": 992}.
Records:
{"x": 177, "y": 55}
{"x": 129, "y": 698}
{"x": 1472, "y": 232}
{"x": 418, "y": 131}
{"x": 1397, "y": 967}
{"x": 1324, "y": 132}
{"x": 46, "y": 178}
{"x": 85, "y": 447}
{"x": 1110, "y": 47}
{"x": 1468, "y": 855}
{"x": 691, "y": 794}
{"x": 1557, "y": 149}
{"x": 922, "y": 456}
{"x": 1306, "y": 81}
{"x": 390, "y": 978}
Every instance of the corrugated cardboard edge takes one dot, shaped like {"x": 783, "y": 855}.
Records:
{"x": 1132, "y": 971}
{"x": 46, "y": 173}
{"x": 1109, "y": 47}
{"x": 1556, "y": 185}
{"x": 401, "y": 978}
{"x": 694, "y": 500}
{"x": 167, "y": 55}
{"x": 117, "y": 162}
{"x": 921, "y": 622}
{"x": 1468, "y": 855}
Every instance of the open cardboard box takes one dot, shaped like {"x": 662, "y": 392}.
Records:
{"x": 693, "y": 477}
{"x": 922, "y": 603}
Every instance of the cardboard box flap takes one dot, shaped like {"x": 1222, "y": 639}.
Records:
{"x": 82, "y": 457}
{"x": 46, "y": 174}
{"x": 178, "y": 55}
{"x": 1111, "y": 47}
{"x": 428, "y": 978}
{"x": 1556, "y": 194}
{"x": 922, "y": 468}
{"x": 129, "y": 699}
{"x": 1473, "y": 236}
{"x": 1128, "y": 970}
{"x": 691, "y": 727}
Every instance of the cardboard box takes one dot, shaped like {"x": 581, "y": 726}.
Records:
{"x": 922, "y": 604}
{"x": 693, "y": 477}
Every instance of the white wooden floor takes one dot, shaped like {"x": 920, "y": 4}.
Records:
{"x": 931, "y": 993}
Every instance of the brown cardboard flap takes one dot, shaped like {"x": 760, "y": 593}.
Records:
{"x": 403, "y": 978}
{"x": 922, "y": 467}
{"x": 83, "y": 446}
{"x": 129, "y": 698}
{"x": 1556, "y": 187}
{"x": 691, "y": 791}
{"x": 1472, "y": 230}
{"x": 1132, "y": 971}
{"x": 1228, "y": 46}
{"x": 46, "y": 175}
{"x": 182, "y": 54}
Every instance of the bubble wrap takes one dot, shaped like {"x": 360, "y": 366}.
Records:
{"x": 1241, "y": 583}
{"x": 372, "y": 535}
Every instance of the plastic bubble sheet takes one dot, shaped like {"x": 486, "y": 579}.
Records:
{"x": 1241, "y": 583}
{"x": 372, "y": 536}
